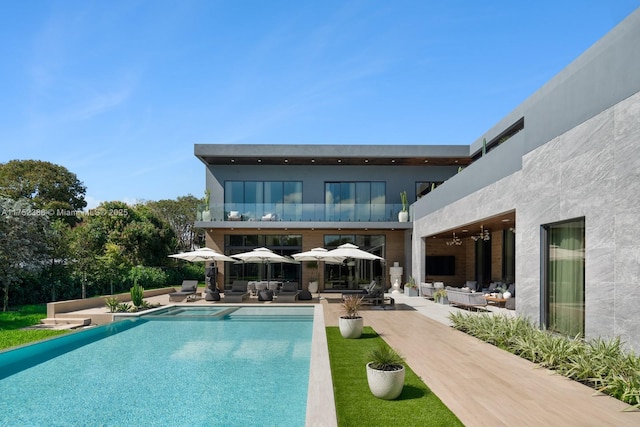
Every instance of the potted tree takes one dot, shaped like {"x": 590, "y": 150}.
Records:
{"x": 351, "y": 322}
{"x": 411, "y": 288}
{"x": 206, "y": 212}
{"x": 385, "y": 373}
{"x": 403, "y": 216}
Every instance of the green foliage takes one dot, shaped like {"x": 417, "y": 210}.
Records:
{"x": 403, "y": 199}
{"x": 12, "y": 322}
{"x": 137, "y": 294}
{"x": 439, "y": 293}
{"x": 180, "y": 214}
{"x": 112, "y": 304}
{"x": 148, "y": 277}
{"x": 411, "y": 283}
{"x": 46, "y": 185}
{"x": 356, "y": 406}
{"x": 123, "y": 308}
{"x": 384, "y": 358}
{"x": 23, "y": 246}
{"x": 601, "y": 364}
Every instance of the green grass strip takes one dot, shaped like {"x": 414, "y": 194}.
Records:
{"x": 356, "y": 406}
{"x": 12, "y": 322}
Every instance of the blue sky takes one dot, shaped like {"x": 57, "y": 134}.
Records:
{"x": 118, "y": 92}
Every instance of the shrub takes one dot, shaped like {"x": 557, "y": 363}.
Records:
{"x": 601, "y": 364}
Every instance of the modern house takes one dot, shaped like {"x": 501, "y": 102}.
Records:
{"x": 546, "y": 199}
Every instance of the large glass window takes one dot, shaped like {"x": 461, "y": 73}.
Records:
{"x": 255, "y": 199}
{"x": 355, "y": 273}
{"x": 355, "y": 201}
{"x": 509, "y": 255}
{"x": 283, "y": 244}
{"x": 564, "y": 277}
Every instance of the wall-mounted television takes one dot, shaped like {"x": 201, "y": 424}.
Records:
{"x": 441, "y": 265}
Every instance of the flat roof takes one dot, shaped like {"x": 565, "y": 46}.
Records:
{"x": 333, "y": 154}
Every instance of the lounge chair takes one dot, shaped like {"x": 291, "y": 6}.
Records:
{"x": 288, "y": 292}
{"x": 364, "y": 291}
{"x": 238, "y": 292}
{"x": 189, "y": 289}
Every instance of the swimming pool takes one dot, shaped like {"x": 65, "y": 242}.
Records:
{"x": 180, "y": 366}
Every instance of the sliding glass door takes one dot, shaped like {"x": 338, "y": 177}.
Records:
{"x": 564, "y": 277}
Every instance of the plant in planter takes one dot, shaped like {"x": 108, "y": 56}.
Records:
{"x": 411, "y": 288}
{"x": 403, "y": 216}
{"x": 385, "y": 373}
{"x": 206, "y": 212}
{"x": 351, "y": 322}
{"x": 440, "y": 295}
{"x": 112, "y": 304}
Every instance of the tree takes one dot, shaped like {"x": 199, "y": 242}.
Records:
{"x": 180, "y": 214}
{"x": 22, "y": 242}
{"x": 48, "y": 186}
{"x": 142, "y": 236}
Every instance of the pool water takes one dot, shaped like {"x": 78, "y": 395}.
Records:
{"x": 232, "y": 367}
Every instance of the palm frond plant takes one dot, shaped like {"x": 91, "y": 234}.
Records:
{"x": 350, "y": 322}
{"x": 385, "y": 372}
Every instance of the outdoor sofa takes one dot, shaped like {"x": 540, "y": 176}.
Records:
{"x": 465, "y": 298}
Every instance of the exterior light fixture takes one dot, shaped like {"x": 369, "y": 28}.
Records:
{"x": 455, "y": 241}
{"x": 483, "y": 235}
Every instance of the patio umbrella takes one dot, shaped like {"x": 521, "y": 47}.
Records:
{"x": 318, "y": 254}
{"x": 349, "y": 250}
{"x": 203, "y": 254}
{"x": 263, "y": 256}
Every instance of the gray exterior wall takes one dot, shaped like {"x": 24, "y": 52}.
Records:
{"x": 592, "y": 171}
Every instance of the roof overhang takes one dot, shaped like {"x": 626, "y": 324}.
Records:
{"x": 360, "y": 155}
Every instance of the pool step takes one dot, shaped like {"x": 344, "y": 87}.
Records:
{"x": 66, "y": 323}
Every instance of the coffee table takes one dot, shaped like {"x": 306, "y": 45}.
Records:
{"x": 500, "y": 302}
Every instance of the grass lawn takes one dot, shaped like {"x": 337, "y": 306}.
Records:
{"x": 12, "y": 322}
{"x": 356, "y": 406}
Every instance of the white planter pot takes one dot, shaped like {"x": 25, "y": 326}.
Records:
{"x": 206, "y": 215}
{"x": 403, "y": 216}
{"x": 351, "y": 328}
{"x": 385, "y": 384}
{"x": 313, "y": 287}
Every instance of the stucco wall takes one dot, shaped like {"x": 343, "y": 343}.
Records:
{"x": 591, "y": 171}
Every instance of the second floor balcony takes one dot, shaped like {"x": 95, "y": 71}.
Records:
{"x": 299, "y": 212}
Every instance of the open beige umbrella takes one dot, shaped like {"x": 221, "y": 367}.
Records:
{"x": 318, "y": 254}
{"x": 205, "y": 254}
{"x": 349, "y": 250}
{"x": 202, "y": 254}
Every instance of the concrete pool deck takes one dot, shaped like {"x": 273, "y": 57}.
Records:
{"x": 482, "y": 384}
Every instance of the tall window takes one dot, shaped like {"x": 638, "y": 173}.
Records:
{"x": 283, "y": 244}
{"x": 564, "y": 277}
{"x": 509, "y": 256}
{"x": 355, "y": 273}
{"x": 257, "y": 198}
{"x": 355, "y": 201}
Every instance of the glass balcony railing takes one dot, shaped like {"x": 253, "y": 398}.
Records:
{"x": 299, "y": 212}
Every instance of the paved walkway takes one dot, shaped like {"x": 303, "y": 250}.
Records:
{"x": 481, "y": 384}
